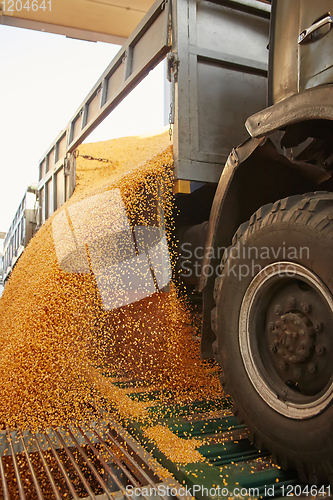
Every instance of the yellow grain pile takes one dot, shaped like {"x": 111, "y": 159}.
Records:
{"x": 56, "y": 334}
{"x": 122, "y": 155}
{"x": 181, "y": 451}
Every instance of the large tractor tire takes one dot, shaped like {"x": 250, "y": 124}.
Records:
{"x": 274, "y": 327}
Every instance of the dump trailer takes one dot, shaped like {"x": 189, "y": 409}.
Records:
{"x": 254, "y": 222}
{"x": 20, "y": 232}
{"x": 2, "y": 237}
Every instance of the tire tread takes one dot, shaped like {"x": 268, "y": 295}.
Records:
{"x": 311, "y": 209}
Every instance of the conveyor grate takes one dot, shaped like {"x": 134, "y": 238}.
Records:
{"x": 96, "y": 461}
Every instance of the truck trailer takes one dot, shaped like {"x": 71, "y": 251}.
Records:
{"x": 21, "y": 230}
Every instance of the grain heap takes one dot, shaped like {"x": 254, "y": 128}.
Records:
{"x": 56, "y": 322}
{"x": 180, "y": 451}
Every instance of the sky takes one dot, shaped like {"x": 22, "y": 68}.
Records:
{"x": 43, "y": 80}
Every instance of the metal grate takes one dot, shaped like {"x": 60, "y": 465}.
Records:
{"x": 90, "y": 462}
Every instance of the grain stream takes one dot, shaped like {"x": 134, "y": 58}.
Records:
{"x": 57, "y": 336}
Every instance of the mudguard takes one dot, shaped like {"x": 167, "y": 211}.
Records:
{"x": 255, "y": 174}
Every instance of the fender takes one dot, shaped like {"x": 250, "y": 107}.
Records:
{"x": 311, "y": 104}
{"x": 255, "y": 174}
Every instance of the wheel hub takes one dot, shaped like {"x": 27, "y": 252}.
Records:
{"x": 285, "y": 339}
{"x": 297, "y": 337}
{"x": 293, "y": 338}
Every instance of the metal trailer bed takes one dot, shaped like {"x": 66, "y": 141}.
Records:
{"x": 217, "y": 61}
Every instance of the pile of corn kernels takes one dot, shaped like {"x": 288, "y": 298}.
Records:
{"x": 57, "y": 339}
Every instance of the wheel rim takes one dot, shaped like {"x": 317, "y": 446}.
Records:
{"x": 284, "y": 334}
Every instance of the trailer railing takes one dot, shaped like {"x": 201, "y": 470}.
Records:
{"x": 217, "y": 66}
{"x": 144, "y": 49}
{"x": 20, "y": 231}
